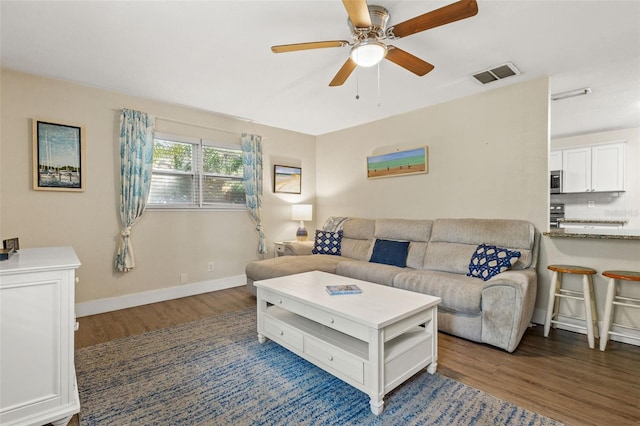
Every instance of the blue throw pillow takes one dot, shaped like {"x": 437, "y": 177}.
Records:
{"x": 488, "y": 261}
{"x": 327, "y": 242}
{"x": 390, "y": 252}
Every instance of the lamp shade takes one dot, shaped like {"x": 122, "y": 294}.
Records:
{"x": 301, "y": 212}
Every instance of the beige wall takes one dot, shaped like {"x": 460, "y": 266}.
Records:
{"x": 487, "y": 159}
{"x": 166, "y": 243}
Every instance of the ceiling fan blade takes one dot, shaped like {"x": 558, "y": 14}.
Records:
{"x": 306, "y": 46}
{"x": 343, "y": 73}
{"x": 445, "y": 15}
{"x": 407, "y": 61}
{"x": 358, "y": 12}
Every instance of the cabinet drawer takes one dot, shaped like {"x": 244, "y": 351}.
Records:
{"x": 334, "y": 358}
{"x": 281, "y": 301}
{"x": 283, "y": 333}
{"x": 337, "y": 322}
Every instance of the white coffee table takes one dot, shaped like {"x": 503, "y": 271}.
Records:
{"x": 373, "y": 341}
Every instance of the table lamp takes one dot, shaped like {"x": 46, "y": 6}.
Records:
{"x": 301, "y": 212}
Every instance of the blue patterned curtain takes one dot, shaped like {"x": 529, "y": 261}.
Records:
{"x": 252, "y": 170}
{"x": 136, "y": 158}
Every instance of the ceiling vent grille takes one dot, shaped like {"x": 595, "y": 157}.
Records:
{"x": 496, "y": 73}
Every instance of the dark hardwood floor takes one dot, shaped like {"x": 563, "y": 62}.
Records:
{"x": 558, "y": 376}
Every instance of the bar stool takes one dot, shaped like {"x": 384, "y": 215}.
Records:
{"x": 586, "y": 296}
{"x": 612, "y": 300}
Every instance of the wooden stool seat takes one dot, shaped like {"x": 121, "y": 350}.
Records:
{"x": 614, "y": 300}
{"x": 571, "y": 269}
{"x": 556, "y": 293}
{"x": 623, "y": 275}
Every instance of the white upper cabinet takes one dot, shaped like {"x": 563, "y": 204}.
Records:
{"x": 607, "y": 167}
{"x": 594, "y": 168}
{"x": 576, "y": 167}
{"x": 555, "y": 160}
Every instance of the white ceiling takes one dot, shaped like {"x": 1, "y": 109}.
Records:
{"x": 215, "y": 56}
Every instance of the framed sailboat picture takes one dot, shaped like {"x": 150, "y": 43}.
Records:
{"x": 58, "y": 156}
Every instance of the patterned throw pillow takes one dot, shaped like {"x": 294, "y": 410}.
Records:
{"x": 327, "y": 242}
{"x": 488, "y": 261}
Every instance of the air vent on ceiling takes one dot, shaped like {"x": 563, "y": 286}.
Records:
{"x": 496, "y": 73}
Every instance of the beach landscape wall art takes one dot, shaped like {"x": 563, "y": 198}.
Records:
{"x": 399, "y": 163}
{"x": 287, "y": 180}
{"x": 58, "y": 156}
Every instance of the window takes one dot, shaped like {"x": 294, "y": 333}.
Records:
{"x": 195, "y": 173}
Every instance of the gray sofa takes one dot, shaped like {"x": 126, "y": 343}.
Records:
{"x": 496, "y": 311}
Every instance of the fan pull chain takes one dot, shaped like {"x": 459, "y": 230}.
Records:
{"x": 357, "y": 84}
{"x": 379, "y": 101}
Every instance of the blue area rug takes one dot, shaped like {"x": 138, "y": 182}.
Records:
{"x": 214, "y": 372}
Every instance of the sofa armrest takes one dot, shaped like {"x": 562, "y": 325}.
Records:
{"x": 508, "y": 301}
{"x": 298, "y": 248}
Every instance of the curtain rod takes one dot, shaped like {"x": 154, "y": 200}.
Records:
{"x": 173, "y": 120}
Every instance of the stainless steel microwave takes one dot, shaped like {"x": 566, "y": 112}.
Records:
{"x": 555, "y": 182}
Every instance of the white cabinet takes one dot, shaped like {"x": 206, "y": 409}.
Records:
{"x": 593, "y": 168}
{"x": 607, "y": 167}
{"x": 38, "y": 380}
{"x": 555, "y": 160}
{"x": 576, "y": 167}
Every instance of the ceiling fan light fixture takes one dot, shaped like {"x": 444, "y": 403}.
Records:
{"x": 368, "y": 52}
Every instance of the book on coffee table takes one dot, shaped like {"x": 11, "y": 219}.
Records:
{"x": 343, "y": 289}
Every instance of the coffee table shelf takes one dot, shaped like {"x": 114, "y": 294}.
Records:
{"x": 374, "y": 350}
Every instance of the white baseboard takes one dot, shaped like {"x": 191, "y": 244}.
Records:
{"x": 539, "y": 316}
{"x": 109, "y": 304}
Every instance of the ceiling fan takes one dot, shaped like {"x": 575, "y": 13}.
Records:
{"x": 369, "y": 27}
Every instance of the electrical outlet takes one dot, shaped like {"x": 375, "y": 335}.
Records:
{"x": 184, "y": 278}
{"x": 210, "y": 266}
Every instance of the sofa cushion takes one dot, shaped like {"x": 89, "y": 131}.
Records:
{"x": 327, "y": 242}
{"x": 488, "y": 261}
{"x": 366, "y": 271}
{"x": 403, "y": 229}
{"x": 453, "y": 242}
{"x": 390, "y": 252}
{"x": 417, "y": 231}
{"x": 359, "y": 229}
{"x": 459, "y": 293}
{"x": 449, "y": 257}
{"x": 357, "y": 238}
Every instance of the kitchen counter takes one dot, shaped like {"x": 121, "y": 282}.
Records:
{"x": 603, "y": 234}
{"x": 595, "y": 221}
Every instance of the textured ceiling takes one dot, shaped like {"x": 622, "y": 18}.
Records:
{"x": 215, "y": 56}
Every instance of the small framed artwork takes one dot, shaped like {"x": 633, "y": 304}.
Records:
{"x": 398, "y": 163}
{"x": 287, "y": 180}
{"x": 11, "y": 244}
{"x": 58, "y": 156}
